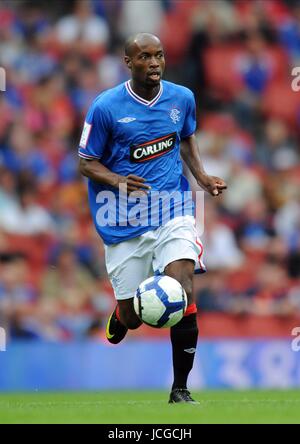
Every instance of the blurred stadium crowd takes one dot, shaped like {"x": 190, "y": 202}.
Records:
{"x": 237, "y": 57}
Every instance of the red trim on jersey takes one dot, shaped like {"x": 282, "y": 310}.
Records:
{"x": 191, "y": 309}
{"x": 87, "y": 156}
{"x": 157, "y": 140}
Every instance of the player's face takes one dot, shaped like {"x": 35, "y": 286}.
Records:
{"x": 147, "y": 64}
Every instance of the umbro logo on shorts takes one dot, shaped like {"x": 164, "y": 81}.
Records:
{"x": 153, "y": 148}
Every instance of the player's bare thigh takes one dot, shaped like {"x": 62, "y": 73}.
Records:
{"x": 183, "y": 271}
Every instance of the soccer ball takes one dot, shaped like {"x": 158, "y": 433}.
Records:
{"x": 160, "y": 301}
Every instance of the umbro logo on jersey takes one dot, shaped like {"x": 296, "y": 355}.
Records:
{"x": 153, "y": 148}
{"x": 190, "y": 350}
{"x": 127, "y": 119}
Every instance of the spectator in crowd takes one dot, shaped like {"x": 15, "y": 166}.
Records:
{"x": 136, "y": 17}
{"x": 74, "y": 282}
{"x": 277, "y": 150}
{"x": 84, "y": 28}
{"x": 8, "y": 192}
{"x": 289, "y": 34}
{"x": 17, "y": 294}
{"x": 256, "y": 228}
{"x": 221, "y": 249}
{"x": 71, "y": 289}
{"x": 244, "y": 186}
{"x": 23, "y": 155}
{"x": 26, "y": 217}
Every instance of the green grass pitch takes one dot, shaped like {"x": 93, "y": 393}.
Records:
{"x": 138, "y": 407}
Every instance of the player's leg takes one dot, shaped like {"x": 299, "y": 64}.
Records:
{"x": 184, "y": 335}
{"x": 115, "y": 329}
{"x": 177, "y": 251}
{"x": 128, "y": 264}
{"x": 127, "y": 314}
{"x": 122, "y": 318}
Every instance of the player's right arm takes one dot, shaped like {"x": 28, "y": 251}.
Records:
{"x": 97, "y": 172}
{"x": 94, "y": 141}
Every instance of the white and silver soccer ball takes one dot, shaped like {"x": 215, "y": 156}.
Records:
{"x": 160, "y": 301}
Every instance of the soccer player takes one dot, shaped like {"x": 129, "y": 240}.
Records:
{"x": 131, "y": 143}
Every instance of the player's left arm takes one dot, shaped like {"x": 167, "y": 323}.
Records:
{"x": 190, "y": 154}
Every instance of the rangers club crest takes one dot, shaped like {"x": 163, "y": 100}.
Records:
{"x": 175, "y": 115}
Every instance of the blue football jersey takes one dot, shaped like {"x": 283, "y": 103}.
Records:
{"x": 130, "y": 135}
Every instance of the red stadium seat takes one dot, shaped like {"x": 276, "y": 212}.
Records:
{"x": 221, "y": 66}
{"x": 174, "y": 42}
{"x": 282, "y": 102}
{"x": 220, "y": 73}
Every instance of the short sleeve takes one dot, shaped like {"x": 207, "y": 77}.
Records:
{"x": 189, "y": 126}
{"x": 95, "y": 132}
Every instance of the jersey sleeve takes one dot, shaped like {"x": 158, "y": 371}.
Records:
{"x": 189, "y": 126}
{"x": 95, "y": 133}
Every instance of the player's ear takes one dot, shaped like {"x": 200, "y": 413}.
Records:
{"x": 128, "y": 62}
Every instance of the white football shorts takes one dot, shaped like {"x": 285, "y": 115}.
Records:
{"x": 130, "y": 262}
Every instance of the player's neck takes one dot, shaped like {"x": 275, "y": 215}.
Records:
{"x": 146, "y": 93}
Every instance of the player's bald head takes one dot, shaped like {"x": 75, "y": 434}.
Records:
{"x": 138, "y": 41}
{"x": 144, "y": 56}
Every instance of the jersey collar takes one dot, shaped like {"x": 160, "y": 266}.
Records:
{"x": 140, "y": 99}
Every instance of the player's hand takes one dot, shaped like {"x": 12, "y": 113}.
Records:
{"x": 212, "y": 184}
{"x": 132, "y": 183}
